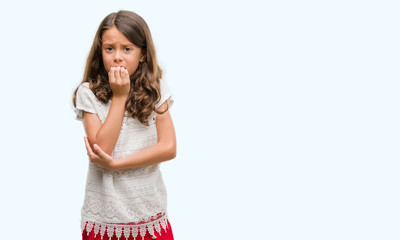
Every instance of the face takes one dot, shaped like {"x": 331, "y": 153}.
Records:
{"x": 117, "y": 50}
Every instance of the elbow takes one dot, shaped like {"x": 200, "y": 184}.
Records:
{"x": 104, "y": 147}
{"x": 170, "y": 151}
{"x": 173, "y": 154}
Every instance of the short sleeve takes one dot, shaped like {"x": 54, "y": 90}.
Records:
{"x": 166, "y": 95}
{"x": 85, "y": 101}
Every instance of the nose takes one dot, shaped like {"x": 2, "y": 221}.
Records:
{"x": 117, "y": 56}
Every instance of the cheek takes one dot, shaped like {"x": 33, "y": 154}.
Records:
{"x": 107, "y": 67}
{"x": 133, "y": 67}
{"x": 107, "y": 63}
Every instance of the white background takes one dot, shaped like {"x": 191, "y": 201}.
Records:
{"x": 286, "y": 114}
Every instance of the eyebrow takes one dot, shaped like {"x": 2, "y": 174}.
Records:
{"x": 124, "y": 44}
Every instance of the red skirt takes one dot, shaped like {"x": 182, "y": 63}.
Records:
{"x": 165, "y": 235}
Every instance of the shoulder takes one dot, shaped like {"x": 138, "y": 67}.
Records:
{"x": 84, "y": 85}
{"x": 84, "y": 88}
{"x": 165, "y": 93}
{"x": 84, "y": 92}
{"x": 163, "y": 86}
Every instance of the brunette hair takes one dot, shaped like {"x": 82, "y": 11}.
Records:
{"x": 145, "y": 81}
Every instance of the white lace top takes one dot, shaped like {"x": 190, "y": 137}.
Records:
{"x": 131, "y": 201}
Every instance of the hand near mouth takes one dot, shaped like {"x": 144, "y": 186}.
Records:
{"x": 119, "y": 80}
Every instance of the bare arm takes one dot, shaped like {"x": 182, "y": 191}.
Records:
{"x": 106, "y": 135}
{"x": 164, "y": 150}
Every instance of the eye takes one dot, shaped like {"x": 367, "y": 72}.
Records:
{"x": 108, "y": 49}
{"x": 127, "y": 49}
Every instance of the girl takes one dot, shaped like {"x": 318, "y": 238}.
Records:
{"x": 123, "y": 104}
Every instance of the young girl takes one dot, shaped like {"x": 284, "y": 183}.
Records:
{"x": 123, "y": 104}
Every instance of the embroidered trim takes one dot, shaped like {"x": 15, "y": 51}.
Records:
{"x": 126, "y": 229}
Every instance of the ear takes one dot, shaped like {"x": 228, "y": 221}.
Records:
{"x": 143, "y": 56}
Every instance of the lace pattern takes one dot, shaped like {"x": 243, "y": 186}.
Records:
{"x": 130, "y": 201}
{"x": 126, "y": 229}
{"x": 138, "y": 207}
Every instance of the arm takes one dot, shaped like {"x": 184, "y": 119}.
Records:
{"x": 164, "y": 150}
{"x": 106, "y": 135}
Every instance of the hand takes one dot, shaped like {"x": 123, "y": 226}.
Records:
{"x": 119, "y": 80}
{"x": 98, "y": 156}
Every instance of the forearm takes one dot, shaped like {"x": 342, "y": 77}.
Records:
{"x": 108, "y": 133}
{"x": 152, "y": 155}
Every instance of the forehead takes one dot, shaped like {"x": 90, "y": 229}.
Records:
{"x": 114, "y": 36}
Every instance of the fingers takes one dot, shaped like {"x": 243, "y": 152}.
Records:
{"x": 111, "y": 78}
{"x": 117, "y": 76}
{"x": 114, "y": 76}
{"x": 90, "y": 153}
{"x": 100, "y": 152}
{"x": 124, "y": 76}
{"x": 119, "y": 80}
{"x": 88, "y": 148}
{"x": 120, "y": 75}
{"x": 98, "y": 156}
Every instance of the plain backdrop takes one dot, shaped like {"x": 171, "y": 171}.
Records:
{"x": 286, "y": 114}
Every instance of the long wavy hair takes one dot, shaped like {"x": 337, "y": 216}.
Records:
{"x": 145, "y": 81}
